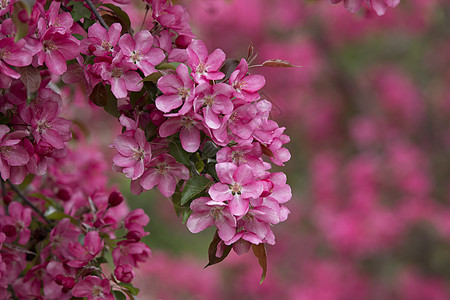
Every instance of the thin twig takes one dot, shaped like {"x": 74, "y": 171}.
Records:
{"x": 22, "y": 196}
{"x": 96, "y": 14}
{"x": 3, "y": 189}
{"x": 145, "y": 16}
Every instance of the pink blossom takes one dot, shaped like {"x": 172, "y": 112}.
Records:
{"x": 13, "y": 54}
{"x": 237, "y": 186}
{"x": 206, "y": 212}
{"x": 56, "y": 49}
{"x": 246, "y": 86}
{"x": 94, "y": 288}
{"x": 17, "y": 223}
{"x": 130, "y": 252}
{"x": 204, "y": 67}
{"x": 140, "y": 51}
{"x": 189, "y": 127}
{"x": 134, "y": 153}
{"x": 92, "y": 246}
{"x": 177, "y": 90}
{"x": 214, "y": 102}
{"x": 101, "y": 42}
{"x": 11, "y": 153}
{"x": 164, "y": 172}
{"x": 124, "y": 273}
{"x": 379, "y": 6}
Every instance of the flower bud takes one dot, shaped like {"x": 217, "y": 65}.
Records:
{"x": 59, "y": 279}
{"x": 115, "y": 198}
{"x": 124, "y": 273}
{"x": 183, "y": 41}
{"x": 7, "y": 199}
{"x": 9, "y": 230}
{"x": 68, "y": 282}
{"x": 91, "y": 49}
{"x": 23, "y": 16}
{"x": 134, "y": 236}
{"x": 63, "y": 195}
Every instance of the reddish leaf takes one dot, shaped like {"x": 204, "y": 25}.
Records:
{"x": 212, "y": 250}
{"x": 260, "y": 253}
{"x": 98, "y": 95}
{"x": 250, "y": 51}
{"x": 277, "y": 63}
{"x": 266, "y": 150}
{"x": 31, "y": 78}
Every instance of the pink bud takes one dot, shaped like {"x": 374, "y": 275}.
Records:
{"x": 7, "y": 199}
{"x": 183, "y": 41}
{"x": 124, "y": 273}
{"x": 134, "y": 236}
{"x": 68, "y": 282}
{"x": 91, "y": 49}
{"x": 59, "y": 279}
{"x": 64, "y": 195}
{"x": 115, "y": 198}
{"x": 23, "y": 16}
{"x": 9, "y": 230}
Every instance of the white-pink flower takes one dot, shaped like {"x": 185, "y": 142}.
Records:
{"x": 204, "y": 67}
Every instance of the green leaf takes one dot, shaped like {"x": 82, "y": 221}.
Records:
{"x": 132, "y": 289}
{"x": 119, "y": 13}
{"x": 153, "y": 77}
{"x": 78, "y": 36}
{"x": 193, "y": 187}
{"x": 210, "y": 149}
{"x": 26, "y": 182}
{"x": 118, "y": 295}
{"x": 260, "y": 252}
{"x": 198, "y": 162}
{"x": 79, "y": 11}
{"x": 111, "y": 104}
{"x": 21, "y": 27}
{"x": 168, "y": 66}
{"x": 177, "y": 151}
{"x": 88, "y": 23}
{"x": 57, "y": 215}
{"x": 212, "y": 250}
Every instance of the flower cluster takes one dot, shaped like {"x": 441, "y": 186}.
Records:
{"x": 379, "y": 6}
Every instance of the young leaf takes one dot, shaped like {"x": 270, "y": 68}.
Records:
{"x": 194, "y": 186}
{"x": 98, "y": 95}
{"x": 266, "y": 150}
{"x": 132, "y": 289}
{"x": 21, "y": 27}
{"x": 212, "y": 250}
{"x": 278, "y": 63}
{"x": 260, "y": 253}
{"x": 118, "y": 295}
{"x": 119, "y": 13}
{"x": 111, "y": 103}
{"x": 79, "y": 11}
{"x": 31, "y": 78}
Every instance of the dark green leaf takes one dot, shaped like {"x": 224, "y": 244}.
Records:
{"x": 119, "y": 13}
{"x": 177, "y": 151}
{"x": 212, "y": 250}
{"x": 153, "y": 77}
{"x": 168, "y": 66}
{"x": 133, "y": 290}
{"x": 260, "y": 252}
{"x": 118, "y": 295}
{"x": 209, "y": 149}
{"x": 88, "y": 23}
{"x": 98, "y": 95}
{"x": 211, "y": 170}
{"x": 193, "y": 187}
{"x": 78, "y": 36}
{"x": 79, "y": 11}
{"x": 111, "y": 105}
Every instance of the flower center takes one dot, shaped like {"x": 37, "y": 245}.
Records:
{"x": 4, "y": 53}
{"x": 5, "y": 150}
{"x": 106, "y": 45}
{"x": 49, "y": 45}
{"x": 138, "y": 154}
{"x": 4, "y": 4}
{"x": 162, "y": 168}
{"x": 183, "y": 92}
{"x": 201, "y": 68}
{"x": 236, "y": 189}
{"x": 239, "y": 85}
{"x": 136, "y": 56}
{"x": 187, "y": 122}
{"x": 117, "y": 72}
{"x": 43, "y": 125}
{"x": 238, "y": 157}
{"x": 97, "y": 291}
{"x": 209, "y": 100}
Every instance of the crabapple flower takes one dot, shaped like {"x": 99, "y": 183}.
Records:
{"x": 93, "y": 244}
{"x": 207, "y": 212}
{"x": 94, "y": 288}
{"x": 140, "y": 51}
{"x": 134, "y": 153}
{"x": 164, "y": 172}
{"x": 121, "y": 76}
{"x": 11, "y": 153}
{"x": 246, "y": 86}
{"x": 189, "y": 127}
{"x": 56, "y": 49}
{"x": 379, "y": 6}
{"x": 204, "y": 67}
{"x": 237, "y": 186}
{"x": 214, "y": 102}
{"x": 101, "y": 42}
{"x": 130, "y": 252}
{"x": 177, "y": 90}
{"x": 13, "y": 54}
{"x": 17, "y": 223}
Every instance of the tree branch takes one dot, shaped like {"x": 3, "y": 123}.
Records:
{"x": 22, "y": 196}
{"x": 96, "y": 14}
